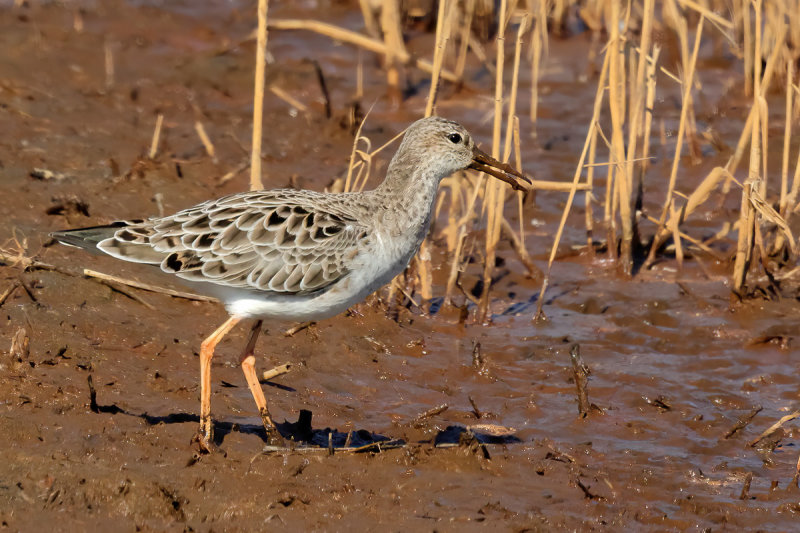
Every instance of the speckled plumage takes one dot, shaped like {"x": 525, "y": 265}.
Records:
{"x": 298, "y": 254}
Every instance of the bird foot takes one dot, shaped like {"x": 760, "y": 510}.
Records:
{"x": 205, "y": 437}
{"x": 274, "y": 438}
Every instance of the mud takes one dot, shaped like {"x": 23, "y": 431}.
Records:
{"x": 677, "y": 373}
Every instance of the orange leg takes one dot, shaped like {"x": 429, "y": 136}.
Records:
{"x": 248, "y": 361}
{"x": 206, "y": 433}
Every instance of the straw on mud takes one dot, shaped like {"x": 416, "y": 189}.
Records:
{"x": 362, "y": 41}
{"x": 297, "y": 328}
{"x": 109, "y": 64}
{"x": 147, "y": 286}
{"x": 258, "y": 97}
{"x": 116, "y": 287}
{"x": 156, "y": 137}
{"x": 207, "y": 144}
{"x": 288, "y": 98}
{"x": 277, "y": 371}
{"x": 233, "y": 173}
{"x": 774, "y": 427}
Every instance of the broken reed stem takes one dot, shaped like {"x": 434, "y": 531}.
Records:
{"x": 580, "y": 373}
{"x": 291, "y": 100}
{"x": 748, "y": 46}
{"x": 787, "y": 137}
{"x": 466, "y": 29}
{"x": 648, "y": 117}
{"x": 356, "y": 39}
{"x": 109, "y": 64}
{"x": 495, "y": 189}
{"x": 258, "y": 97}
{"x": 593, "y": 128}
{"x": 351, "y": 166}
{"x": 395, "y": 46}
{"x": 442, "y": 38}
{"x": 423, "y": 258}
{"x": 637, "y": 109}
{"x": 207, "y": 144}
{"x": 616, "y": 99}
{"x": 156, "y": 137}
{"x": 661, "y": 230}
{"x": 277, "y": 371}
{"x": 538, "y": 50}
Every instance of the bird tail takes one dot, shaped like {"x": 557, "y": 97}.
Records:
{"x": 88, "y": 238}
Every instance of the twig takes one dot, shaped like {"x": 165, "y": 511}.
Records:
{"x": 428, "y": 414}
{"x": 378, "y": 446}
{"x": 580, "y": 371}
{"x": 478, "y": 414}
{"x": 745, "y": 494}
{"x": 742, "y": 422}
{"x": 147, "y": 286}
{"x": 117, "y": 288}
{"x": 323, "y": 87}
{"x": 9, "y": 291}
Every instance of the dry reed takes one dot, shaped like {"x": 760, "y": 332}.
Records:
{"x": 258, "y": 97}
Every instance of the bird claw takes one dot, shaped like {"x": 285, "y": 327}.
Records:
{"x": 205, "y": 437}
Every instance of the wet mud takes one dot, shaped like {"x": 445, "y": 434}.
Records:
{"x": 681, "y": 381}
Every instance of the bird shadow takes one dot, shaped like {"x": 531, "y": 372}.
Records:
{"x": 303, "y": 433}
{"x": 300, "y": 432}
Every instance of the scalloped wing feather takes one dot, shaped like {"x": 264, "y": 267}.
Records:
{"x": 276, "y": 241}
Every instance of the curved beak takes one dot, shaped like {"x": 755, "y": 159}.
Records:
{"x": 502, "y": 171}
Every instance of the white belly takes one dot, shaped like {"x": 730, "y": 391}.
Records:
{"x": 371, "y": 269}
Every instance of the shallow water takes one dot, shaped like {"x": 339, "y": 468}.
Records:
{"x": 674, "y": 364}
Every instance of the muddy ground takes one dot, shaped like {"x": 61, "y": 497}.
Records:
{"x": 674, "y": 365}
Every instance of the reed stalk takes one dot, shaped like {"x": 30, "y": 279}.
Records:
{"x": 661, "y": 231}
{"x": 495, "y": 190}
{"x": 258, "y": 97}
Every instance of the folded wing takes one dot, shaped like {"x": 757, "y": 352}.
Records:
{"x": 274, "y": 241}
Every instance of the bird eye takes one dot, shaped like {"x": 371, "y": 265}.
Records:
{"x": 455, "y": 138}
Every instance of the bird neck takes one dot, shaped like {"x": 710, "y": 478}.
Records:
{"x": 409, "y": 191}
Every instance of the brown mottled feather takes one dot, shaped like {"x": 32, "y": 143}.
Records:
{"x": 275, "y": 241}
